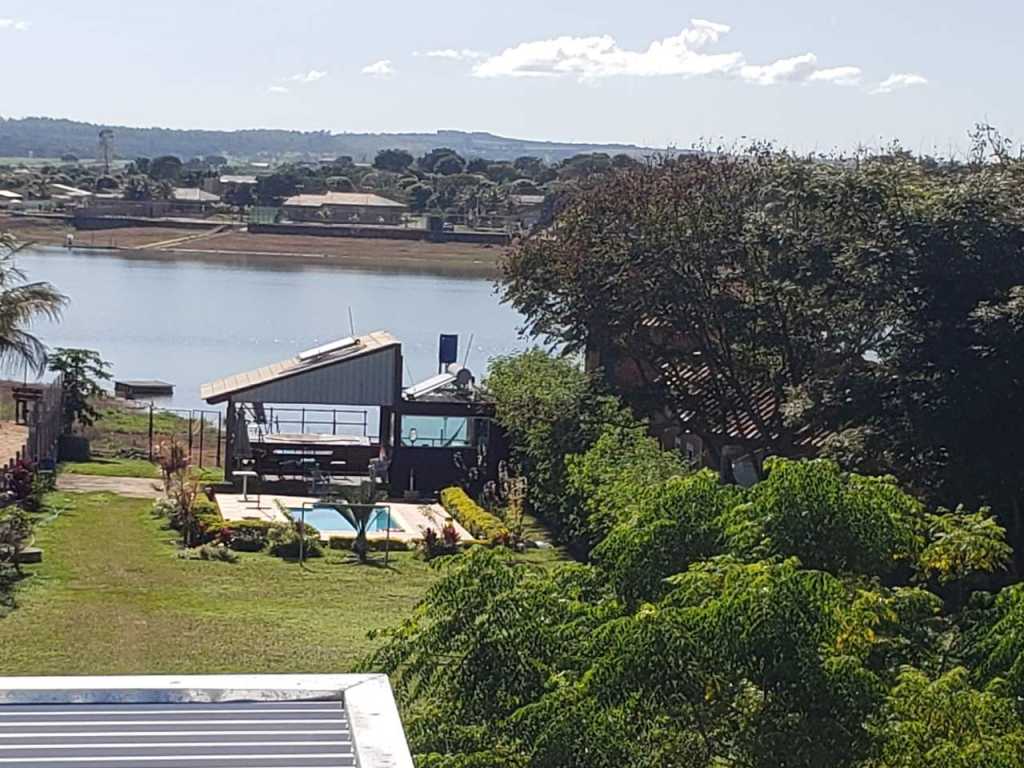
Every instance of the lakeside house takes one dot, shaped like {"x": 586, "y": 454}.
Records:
{"x": 528, "y": 209}
{"x": 193, "y": 199}
{"x": 344, "y": 208}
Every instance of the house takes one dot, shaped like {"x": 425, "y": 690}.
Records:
{"x": 193, "y": 199}
{"x": 527, "y": 210}
{"x": 426, "y": 433}
{"x": 69, "y": 194}
{"x": 344, "y": 208}
{"x": 213, "y": 721}
{"x": 7, "y": 198}
{"x": 219, "y": 184}
{"x": 729, "y": 434}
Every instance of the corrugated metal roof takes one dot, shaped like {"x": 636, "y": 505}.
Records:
{"x": 201, "y": 721}
{"x": 355, "y": 199}
{"x": 237, "y": 179}
{"x": 266, "y": 734}
{"x": 192, "y": 195}
{"x": 220, "y": 390}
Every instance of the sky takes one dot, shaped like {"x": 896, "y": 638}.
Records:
{"x": 815, "y": 75}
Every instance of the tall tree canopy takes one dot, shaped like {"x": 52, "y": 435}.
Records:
{"x": 865, "y": 306}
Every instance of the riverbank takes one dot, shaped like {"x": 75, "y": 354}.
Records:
{"x": 236, "y": 247}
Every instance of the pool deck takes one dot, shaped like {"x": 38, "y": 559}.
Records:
{"x": 413, "y": 518}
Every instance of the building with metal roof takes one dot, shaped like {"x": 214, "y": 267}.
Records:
{"x": 344, "y": 207}
{"x": 205, "y": 721}
{"x": 363, "y": 371}
{"x": 195, "y": 196}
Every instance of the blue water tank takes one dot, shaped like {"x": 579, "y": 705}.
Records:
{"x": 448, "y": 349}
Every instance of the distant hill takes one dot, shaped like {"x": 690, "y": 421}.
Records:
{"x": 49, "y": 137}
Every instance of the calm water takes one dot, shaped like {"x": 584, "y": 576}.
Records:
{"x": 188, "y": 322}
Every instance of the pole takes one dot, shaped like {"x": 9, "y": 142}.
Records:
{"x": 151, "y": 431}
{"x": 219, "y": 420}
{"x": 302, "y": 532}
{"x": 202, "y": 428}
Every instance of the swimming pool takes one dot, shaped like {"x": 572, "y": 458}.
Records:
{"x": 330, "y": 519}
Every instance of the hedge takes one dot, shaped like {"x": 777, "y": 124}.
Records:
{"x": 478, "y": 521}
{"x": 375, "y": 545}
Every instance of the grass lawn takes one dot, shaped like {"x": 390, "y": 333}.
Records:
{"x": 111, "y": 597}
{"x": 131, "y": 468}
{"x": 113, "y": 468}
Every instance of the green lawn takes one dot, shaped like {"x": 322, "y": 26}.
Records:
{"x": 131, "y": 468}
{"x": 112, "y": 598}
{"x": 112, "y": 468}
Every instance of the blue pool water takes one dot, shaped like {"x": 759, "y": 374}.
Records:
{"x": 329, "y": 519}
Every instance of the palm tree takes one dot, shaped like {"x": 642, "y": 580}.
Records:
{"x": 21, "y": 303}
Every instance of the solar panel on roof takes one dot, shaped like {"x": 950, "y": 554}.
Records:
{"x": 286, "y": 734}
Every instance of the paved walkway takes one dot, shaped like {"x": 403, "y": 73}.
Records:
{"x": 135, "y": 487}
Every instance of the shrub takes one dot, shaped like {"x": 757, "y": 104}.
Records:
{"x": 436, "y": 544}
{"x": 474, "y": 518}
{"x": 246, "y": 535}
{"x": 209, "y": 552}
{"x": 374, "y": 545}
{"x": 283, "y": 541}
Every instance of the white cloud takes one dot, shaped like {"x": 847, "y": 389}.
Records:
{"x": 15, "y": 24}
{"x": 451, "y": 53}
{"x": 277, "y": 89}
{"x": 685, "y": 55}
{"x": 594, "y": 57}
{"x": 837, "y": 76}
{"x": 382, "y": 68}
{"x": 307, "y": 77}
{"x": 895, "y": 82}
{"x": 791, "y": 70}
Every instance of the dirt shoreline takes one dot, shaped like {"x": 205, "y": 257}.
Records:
{"x": 240, "y": 248}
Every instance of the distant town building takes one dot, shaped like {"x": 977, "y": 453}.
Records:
{"x": 68, "y": 194}
{"x": 195, "y": 196}
{"x": 219, "y": 184}
{"x": 344, "y": 208}
{"x": 8, "y": 198}
{"x": 527, "y": 209}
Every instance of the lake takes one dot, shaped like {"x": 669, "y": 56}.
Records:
{"x": 192, "y": 321}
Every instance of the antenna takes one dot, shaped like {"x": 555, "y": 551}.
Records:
{"x": 351, "y": 323}
{"x": 469, "y": 348}
{"x": 106, "y": 149}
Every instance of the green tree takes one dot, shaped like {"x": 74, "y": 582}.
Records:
{"x": 394, "y": 160}
{"x": 82, "y": 373}
{"x": 550, "y": 409}
{"x": 947, "y": 723}
{"x": 165, "y": 168}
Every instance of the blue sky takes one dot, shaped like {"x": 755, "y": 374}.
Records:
{"x": 812, "y": 75}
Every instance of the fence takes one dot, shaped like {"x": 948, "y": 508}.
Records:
{"x": 44, "y": 421}
{"x": 202, "y": 433}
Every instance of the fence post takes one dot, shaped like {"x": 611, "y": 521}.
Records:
{"x": 218, "y": 438}
{"x": 202, "y": 428}
{"x": 151, "y": 431}
{"x": 190, "y": 434}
